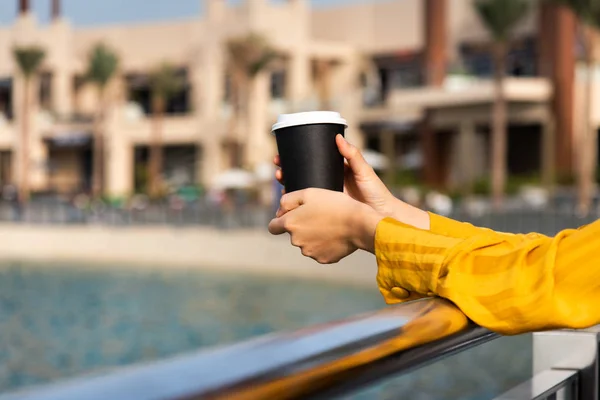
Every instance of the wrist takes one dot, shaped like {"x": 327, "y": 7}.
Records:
{"x": 363, "y": 227}
{"x": 410, "y": 215}
{"x": 389, "y": 206}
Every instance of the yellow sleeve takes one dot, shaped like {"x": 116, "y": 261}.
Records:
{"x": 507, "y": 283}
{"x": 450, "y": 227}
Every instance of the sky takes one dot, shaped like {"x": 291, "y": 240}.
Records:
{"x": 99, "y": 12}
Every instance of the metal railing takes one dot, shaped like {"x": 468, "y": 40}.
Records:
{"x": 200, "y": 213}
{"x": 246, "y": 215}
{"x": 336, "y": 359}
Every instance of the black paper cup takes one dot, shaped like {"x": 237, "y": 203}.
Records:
{"x": 309, "y": 155}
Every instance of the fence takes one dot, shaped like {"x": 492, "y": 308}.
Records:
{"x": 339, "y": 358}
{"x": 199, "y": 213}
{"x": 245, "y": 215}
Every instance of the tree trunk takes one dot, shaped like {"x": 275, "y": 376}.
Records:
{"x": 387, "y": 146}
{"x": 24, "y": 184}
{"x": 466, "y": 140}
{"x": 587, "y": 142}
{"x": 56, "y": 9}
{"x": 233, "y": 142}
{"x": 98, "y": 157}
{"x": 498, "y": 142}
{"x": 23, "y": 6}
{"x": 323, "y": 72}
{"x": 156, "y": 151}
{"x": 549, "y": 153}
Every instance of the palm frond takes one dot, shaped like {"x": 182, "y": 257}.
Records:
{"x": 251, "y": 54}
{"x": 29, "y": 59}
{"x": 165, "y": 81}
{"x": 102, "y": 65}
{"x": 500, "y": 17}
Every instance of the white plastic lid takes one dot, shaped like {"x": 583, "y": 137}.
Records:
{"x": 308, "y": 118}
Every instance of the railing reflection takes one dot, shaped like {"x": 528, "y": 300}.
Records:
{"x": 320, "y": 361}
{"x": 336, "y": 359}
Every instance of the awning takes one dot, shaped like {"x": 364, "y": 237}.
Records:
{"x": 397, "y": 127}
{"x": 70, "y": 140}
{"x": 6, "y": 83}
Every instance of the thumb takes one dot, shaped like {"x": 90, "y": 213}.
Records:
{"x": 290, "y": 201}
{"x": 355, "y": 159}
{"x": 277, "y": 226}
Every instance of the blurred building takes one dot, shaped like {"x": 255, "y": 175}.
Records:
{"x": 413, "y": 75}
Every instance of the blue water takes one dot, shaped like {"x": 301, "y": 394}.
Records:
{"x": 60, "y": 321}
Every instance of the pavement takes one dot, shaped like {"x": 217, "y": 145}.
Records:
{"x": 246, "y": 251}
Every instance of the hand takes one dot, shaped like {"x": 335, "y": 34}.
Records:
{"x": 360, "y": 180}
{"x": 327, "y": 226}
{"x": 362, "y": 184}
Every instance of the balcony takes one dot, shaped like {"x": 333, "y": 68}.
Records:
{"x": 136, "y": 126}
{"x": 69, "y": 124}
{"x": 459, "y": 91}
{"x": 407, "y": 105}
{"x": 339, "y": 359}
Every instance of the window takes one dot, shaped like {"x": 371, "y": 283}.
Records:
{"x": 521, "y": 60}
{"x": 278, "y": 84}
{"x": 6, "y": 105}
{"x": 399, "y": 71}
{"x": 140, "y": 91}
{"x": 477, "y": 60}
{"x": 180, "y": 102}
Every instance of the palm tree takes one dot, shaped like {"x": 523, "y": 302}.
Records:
{"x": 500, "y": 18}
{"x": 102, "y": 66}
{"x": 164, "y": 83}
{"x": 323, "y": 69}
{"x": 248, "y": 57}
{"x": 588, "y": 13}
{"x": 28, "y": 60}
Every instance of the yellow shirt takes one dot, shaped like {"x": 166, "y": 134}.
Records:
{"x": 508, "y": 283}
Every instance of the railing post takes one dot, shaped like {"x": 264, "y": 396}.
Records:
{"x": 575, "y": 350}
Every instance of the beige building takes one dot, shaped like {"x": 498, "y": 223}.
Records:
{"x": 408, "y": 75}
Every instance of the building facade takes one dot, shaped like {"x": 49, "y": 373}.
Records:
{"x": 412, "y": 77}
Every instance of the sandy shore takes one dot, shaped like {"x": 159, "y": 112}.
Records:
{"x": 248, "y": 251}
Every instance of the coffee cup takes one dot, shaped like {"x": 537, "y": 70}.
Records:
{"x": 308, "y": 152}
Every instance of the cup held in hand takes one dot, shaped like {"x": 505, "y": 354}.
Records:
{"x": 308, "y": 151}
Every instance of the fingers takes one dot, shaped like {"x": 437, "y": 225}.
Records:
{"x": 276, "y": 226}
{"x": 278, "y": 172}
{"x": 290, "y": 202}
{"x": 352, "y": 155}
